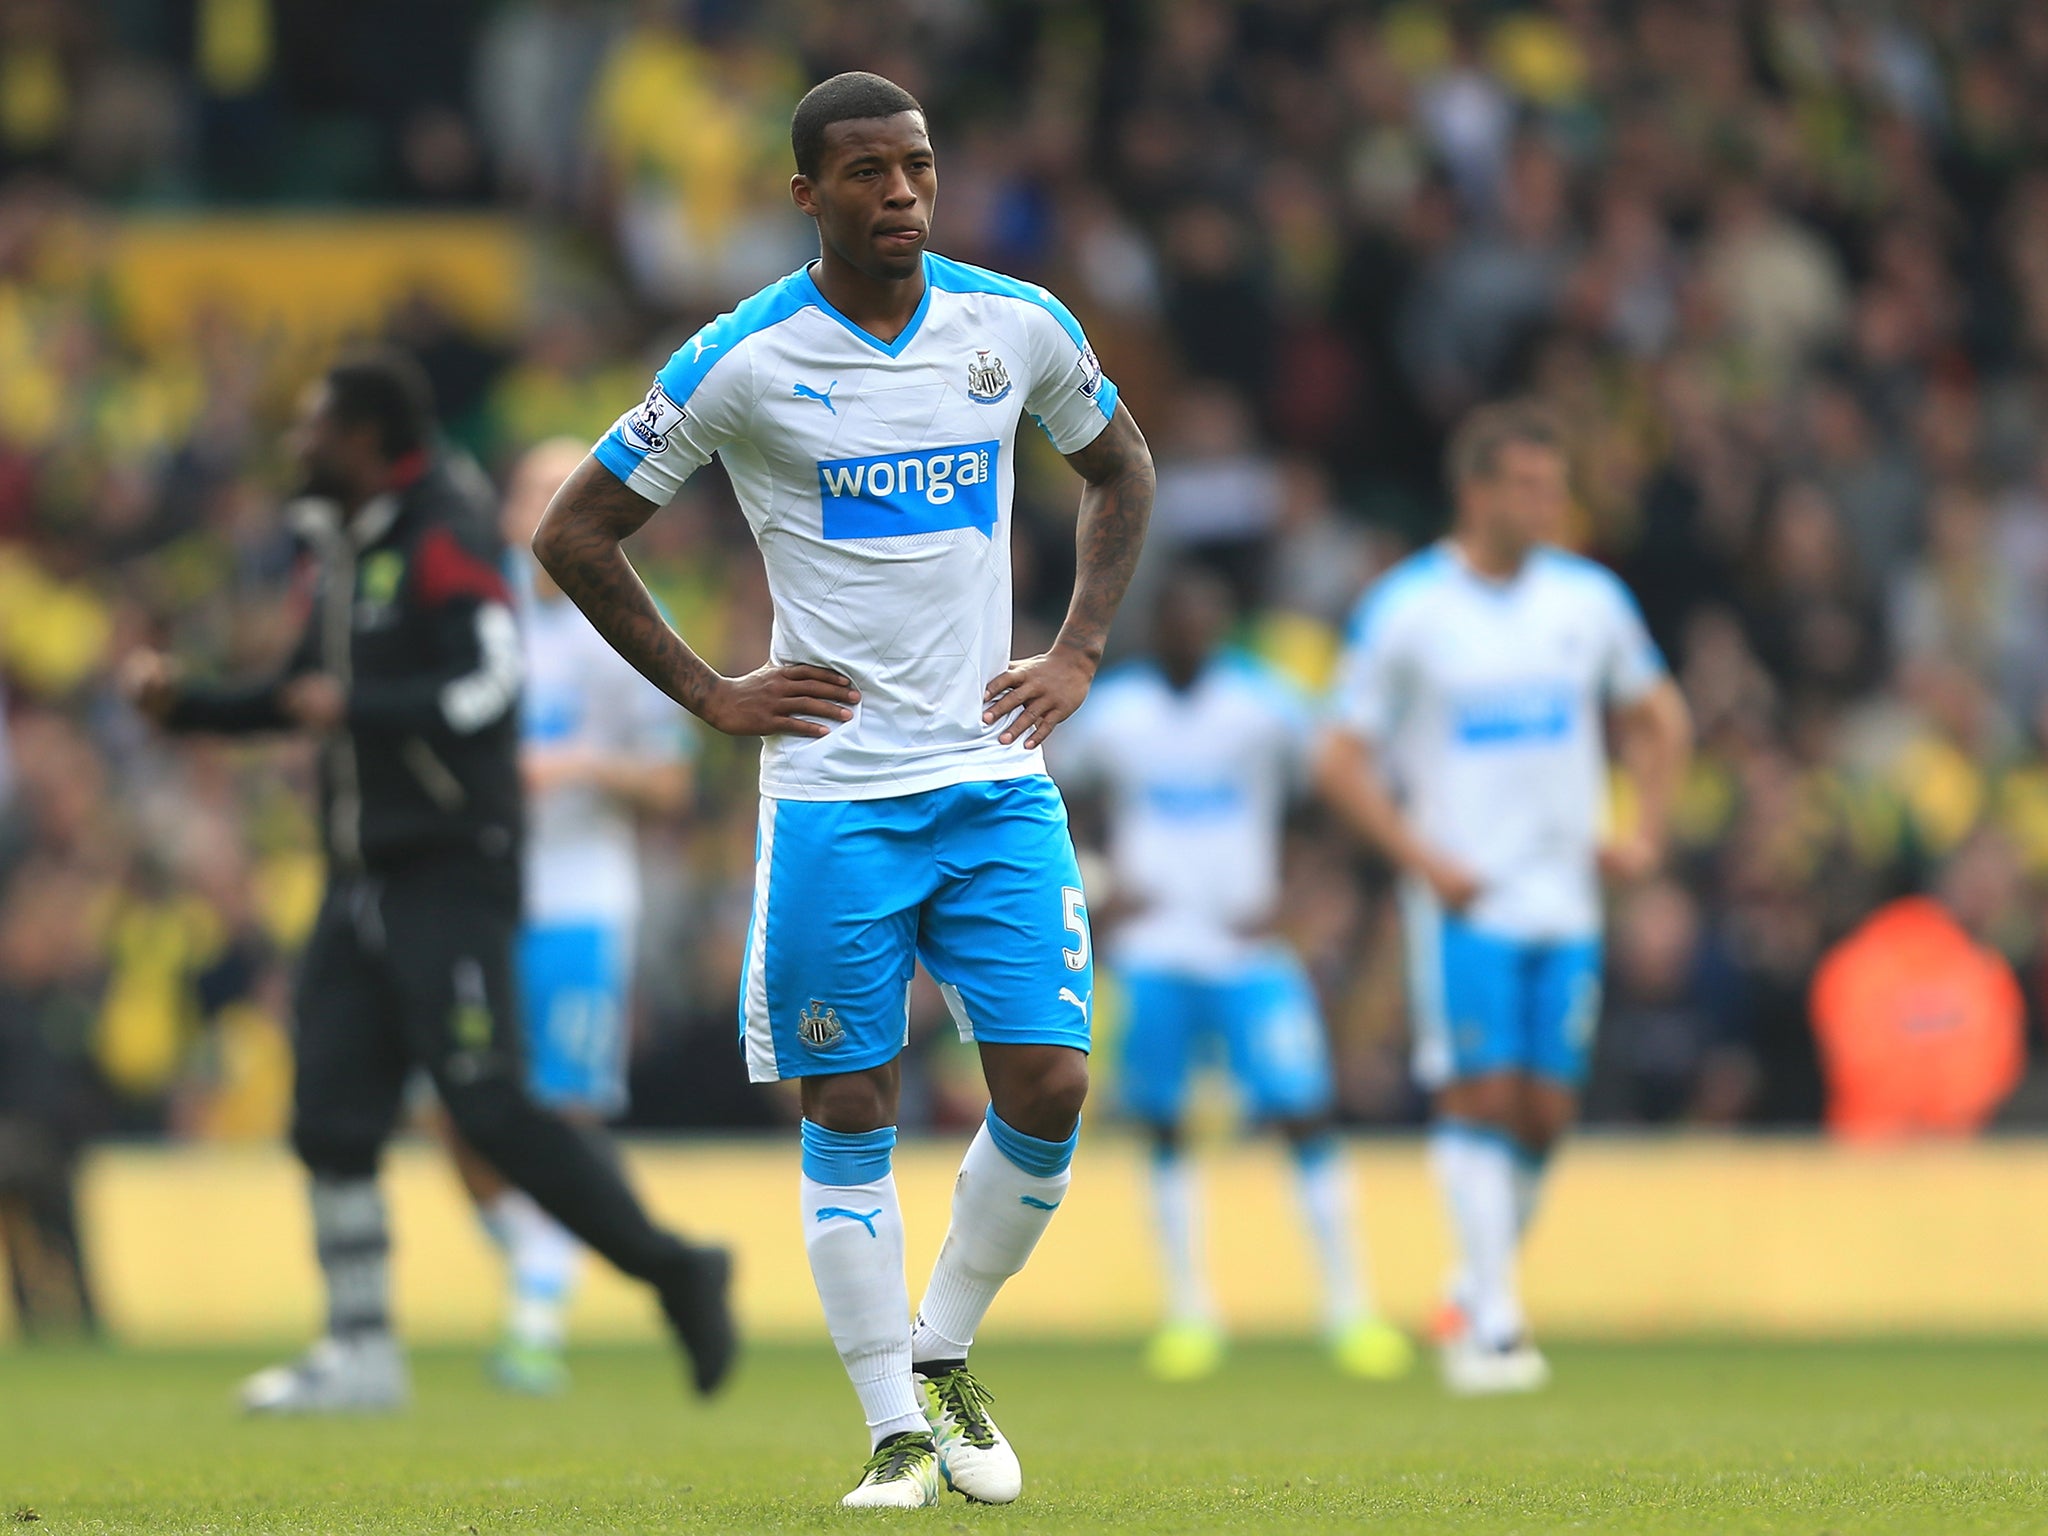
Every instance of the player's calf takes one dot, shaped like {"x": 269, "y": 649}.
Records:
{"x": 853, "y": 1234}
{"x": 555, "y": 1164}
{"x": 1009, "y": 1186}
{"x": 357, "y": 1366}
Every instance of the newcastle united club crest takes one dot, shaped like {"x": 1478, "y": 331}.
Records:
{"x": 987, "y": 379}
{"x": 819, "y": 1028}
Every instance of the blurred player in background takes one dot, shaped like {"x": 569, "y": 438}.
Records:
{"x": 1197, "y": 752}
{"x": 1468, "y": 745}
{"x": 600, "y": 747}
{"x": 407, "y": 674}
{"x": 866, "y": 409}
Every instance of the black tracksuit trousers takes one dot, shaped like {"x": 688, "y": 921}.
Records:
{"x": 411, "y": 966}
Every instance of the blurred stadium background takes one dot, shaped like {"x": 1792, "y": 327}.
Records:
{"x": 1783, "y": 269}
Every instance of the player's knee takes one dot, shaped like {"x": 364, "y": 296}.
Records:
{"x": 1304, "y": 1130}
{"x": 335, "y": 1149}
{"x": 850, "y": 1102}
{"x": 1047, "y": 1104}
{"x": 1063, "y": 1090}
{"x": 1542, "y": 1124}
{"x": 1489, "y": 1100}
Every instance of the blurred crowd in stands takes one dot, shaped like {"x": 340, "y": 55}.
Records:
{"x": 1782, "y": 268}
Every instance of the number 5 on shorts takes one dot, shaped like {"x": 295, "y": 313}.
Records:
{"x": 1075, "y": 906}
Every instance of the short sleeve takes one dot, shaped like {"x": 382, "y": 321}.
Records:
{"x": 1630, "y": 663}
{"x": 1365, "y": 700}
{"x": 694, "y": 409}
{"x": 1068, "y": 394}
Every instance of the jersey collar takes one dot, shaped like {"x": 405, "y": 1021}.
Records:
{"x": 886, "y": 348}
{"x": 1493, "y": 586}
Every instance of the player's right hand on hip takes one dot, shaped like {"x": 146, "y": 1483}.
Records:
{"x": 798, "y": 700}
{"x": 1455, "y": 886}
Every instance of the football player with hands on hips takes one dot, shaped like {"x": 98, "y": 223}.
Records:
{"x": 866, "y": 408}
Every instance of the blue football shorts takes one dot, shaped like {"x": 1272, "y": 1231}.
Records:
{"x": 979, "y": 881}
{"x": 574, "y": 981}
{"x": 1261, "y": 1018}
{"x": 1482, "y": 1003}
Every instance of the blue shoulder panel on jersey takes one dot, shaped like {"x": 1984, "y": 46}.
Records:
{"x": 1606, "y": 578}
{"x": 686, "y": 368}
{"x": 950, "y": 276}
{"x": 1380, "y": 597}
{"x": 682, "y": 373}
{"x": 1567, "y": 563}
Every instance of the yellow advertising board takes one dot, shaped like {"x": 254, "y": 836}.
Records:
{"x": 1637, "y": 1239}
{"x": 314, "y": 279}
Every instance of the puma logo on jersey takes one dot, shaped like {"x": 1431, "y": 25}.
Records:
{"x": 805, "y": 392}
{"x": 699, "y": 346}
{"x": 1068, "y": 995}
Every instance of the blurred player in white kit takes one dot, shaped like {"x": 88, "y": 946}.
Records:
{"x": 1469, "y": 744}
{"x": 600, "y": 748}
{"x": 1196, "y": 750}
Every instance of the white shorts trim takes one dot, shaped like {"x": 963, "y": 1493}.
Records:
{"x": 1429, "y": 1023}
{"x": 762, "y": 1066}
{"x": 957, "y": 1006}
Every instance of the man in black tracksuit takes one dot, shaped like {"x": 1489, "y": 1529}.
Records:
{"x": 408, "y": 674}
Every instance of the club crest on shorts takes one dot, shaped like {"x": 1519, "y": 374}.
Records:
{"x": 819, "y": 1027}
{"x": 987, "y": 379}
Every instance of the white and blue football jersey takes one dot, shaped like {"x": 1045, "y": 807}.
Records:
{"x": 582, "y": 847}
{"x": 877, "y": 478}
{"x": 1485, "y": 699}
{"x": 1197, "y": 784}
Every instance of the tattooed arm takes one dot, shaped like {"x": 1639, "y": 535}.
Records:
{"x": 578, "y": 542}
{"x": 1114, "y": 510}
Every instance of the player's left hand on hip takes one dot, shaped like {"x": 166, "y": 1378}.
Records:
{"x": 1038, "y": 693}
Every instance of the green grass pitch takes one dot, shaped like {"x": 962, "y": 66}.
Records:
{"x": 1707, "y": 1437}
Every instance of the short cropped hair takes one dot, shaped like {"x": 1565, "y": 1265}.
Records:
{"x": 843, "y": 98}
{"x": 386, "y": 390}
{"x": 1475, "y": 448}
